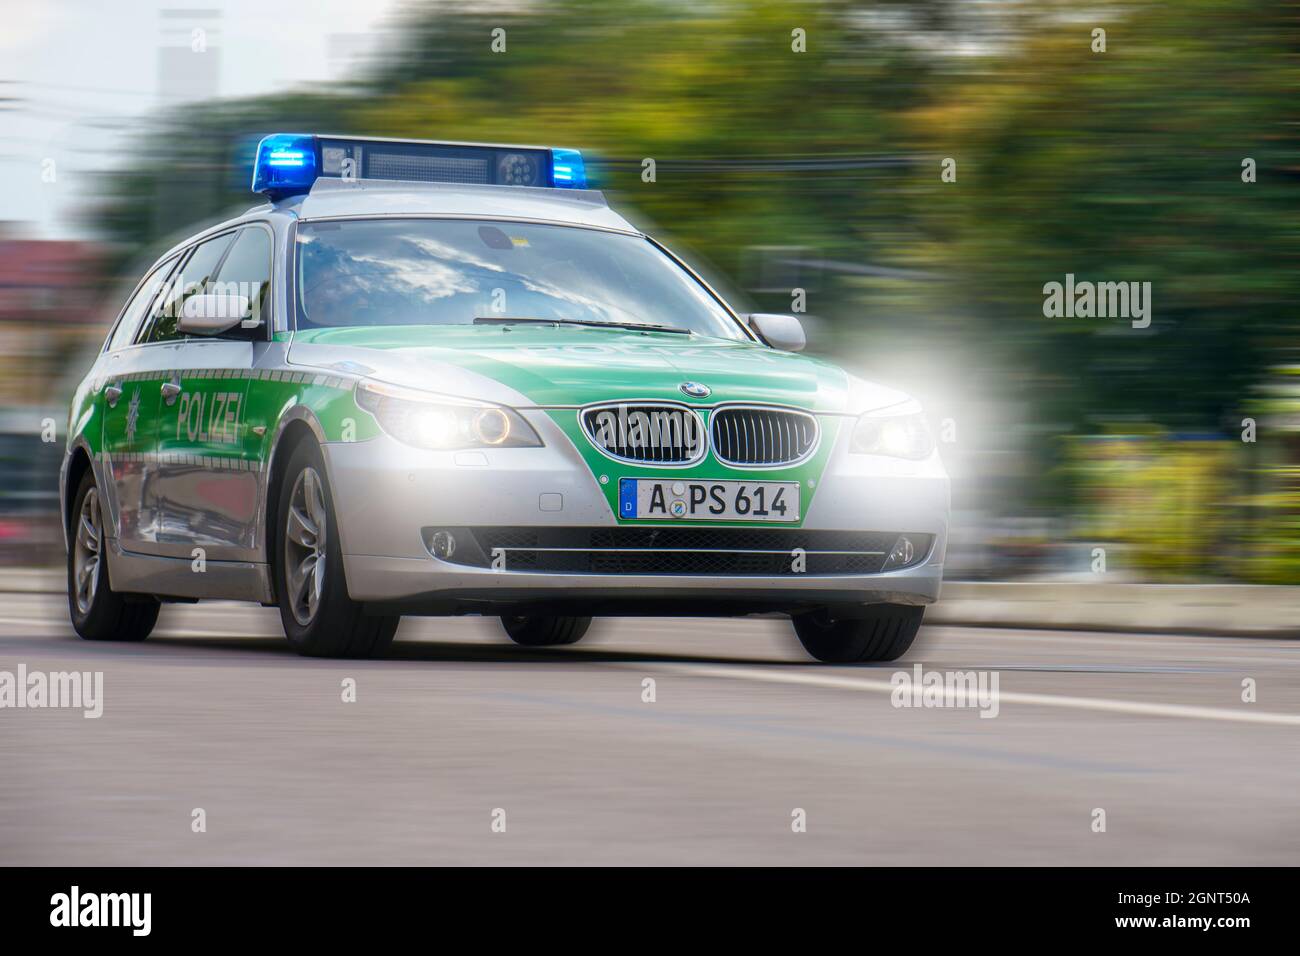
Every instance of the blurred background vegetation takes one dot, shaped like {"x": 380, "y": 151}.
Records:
{"x": 821, "y": 170}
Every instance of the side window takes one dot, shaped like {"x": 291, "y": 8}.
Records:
{"x": 247, "y": 272}
{"x": 138, "y": 307}
{"x": 192, "y": 278}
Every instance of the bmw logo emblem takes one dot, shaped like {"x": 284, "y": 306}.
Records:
{"x": 695, "y": 389}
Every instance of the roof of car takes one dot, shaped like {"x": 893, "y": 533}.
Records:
{"x": 332, "y": 198}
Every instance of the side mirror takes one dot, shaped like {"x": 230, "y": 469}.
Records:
{"x": 212, "y": 313}
{"x": 782, "y": 332}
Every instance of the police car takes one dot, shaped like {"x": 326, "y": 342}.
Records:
{"x": 446, "y": 378}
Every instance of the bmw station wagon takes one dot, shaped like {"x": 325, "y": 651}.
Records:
{"x": 446, "y": 378}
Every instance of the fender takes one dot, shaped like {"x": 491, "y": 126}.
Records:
{"x": 295, "y": 413}
{"x": 77, "y": 444}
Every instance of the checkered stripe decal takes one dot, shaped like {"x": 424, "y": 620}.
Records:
{"x": 209, "y": 462}
{"x": 257, "y": 375}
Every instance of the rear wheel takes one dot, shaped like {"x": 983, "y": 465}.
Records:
{"x": 98, "y": 612}
{"x": 545, "y": 631}
{"x": 319, "y": 618}
{"x": 883, "y": 634}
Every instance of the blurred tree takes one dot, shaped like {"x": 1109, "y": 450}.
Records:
{"x": 1127, "y": 166}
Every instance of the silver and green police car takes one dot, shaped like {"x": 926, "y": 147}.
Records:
{"x": 446, "y": 378}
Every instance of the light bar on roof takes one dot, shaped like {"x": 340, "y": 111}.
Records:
{"x": 288, "y": 163}
{"x": 285, "y": 164}
{"x": 567, "y": 169}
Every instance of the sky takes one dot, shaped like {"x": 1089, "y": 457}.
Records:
{"x": 77, "y": 75}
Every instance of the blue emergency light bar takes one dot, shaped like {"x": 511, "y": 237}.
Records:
{"x": 288, "y": 163}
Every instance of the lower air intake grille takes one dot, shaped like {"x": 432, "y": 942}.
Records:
{"x": 684, "y": 551}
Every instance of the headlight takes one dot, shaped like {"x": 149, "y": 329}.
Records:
{"x": 898, "y": 436}
{"x": 433, "y": 421}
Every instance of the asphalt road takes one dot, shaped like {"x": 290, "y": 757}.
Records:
{"x": 215, "y": 712}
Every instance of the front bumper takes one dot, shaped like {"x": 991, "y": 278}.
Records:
{"x": 386, "y": 492}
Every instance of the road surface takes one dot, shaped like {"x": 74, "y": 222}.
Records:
{"x": 459, "y": 730}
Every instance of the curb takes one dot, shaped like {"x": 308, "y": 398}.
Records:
{"x": 1219, "y": 610}
{"x": 32, "y": 581}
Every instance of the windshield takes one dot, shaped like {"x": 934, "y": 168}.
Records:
{"x": 459, "y": 272}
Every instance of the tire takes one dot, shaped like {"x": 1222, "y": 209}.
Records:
{"x": 98, "y": 612}
{"x": 884, "y": 634}
{"x": 545, "y": 631}
{"x": 319, "y": 618}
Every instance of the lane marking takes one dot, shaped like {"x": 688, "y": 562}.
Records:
{"x": 1137, "y": 707}
{"x": 1131, "y": 638}
{"x": 66, "y": 625}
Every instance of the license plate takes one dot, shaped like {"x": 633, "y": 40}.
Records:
{"x": 714, "y": 500}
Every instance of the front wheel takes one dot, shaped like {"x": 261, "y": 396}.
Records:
{"x": 545, "y": 631}
{"x": 884, "y": 633}
{"x": 98, "y": 612}
{"x": 319, "y": 618}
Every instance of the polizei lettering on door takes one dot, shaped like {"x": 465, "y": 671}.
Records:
{"x": 209, "y": 417}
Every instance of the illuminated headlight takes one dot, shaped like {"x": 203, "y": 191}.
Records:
{"x": 433, "y": 421}
{"x": 897, "y": 436}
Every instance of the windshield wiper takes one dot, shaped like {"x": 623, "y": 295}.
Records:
{"x": 586, "y": 323}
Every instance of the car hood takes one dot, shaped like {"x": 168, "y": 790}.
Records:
{"x": 569, "y": 365}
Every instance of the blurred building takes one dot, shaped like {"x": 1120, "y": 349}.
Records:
{"x": 50, "y": 291}
{"x": 50, "y": 298}
{"x": 189, "y": 54}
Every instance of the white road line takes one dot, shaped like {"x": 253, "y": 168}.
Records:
{"x": 1046, "y": 634}
{"x": 65, "y": 625}
{"x": 1143, "y": 708}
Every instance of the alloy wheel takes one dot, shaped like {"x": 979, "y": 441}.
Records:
{"x": 86, "y": 552}
{"x": 304, "y": 546}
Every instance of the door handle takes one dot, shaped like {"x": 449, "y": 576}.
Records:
{"x": 170, "y": 390}
{"x": 112, "y": 393}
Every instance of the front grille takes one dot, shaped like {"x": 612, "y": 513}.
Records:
{"x": 684, "y": 551}
{"x": 644, "y": 432}
{"x": 753, "y": 435}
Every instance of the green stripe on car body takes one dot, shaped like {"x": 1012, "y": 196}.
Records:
{"x": 330, "y": 397}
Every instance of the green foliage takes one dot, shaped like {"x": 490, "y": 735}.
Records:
{"x": 1127, "y": 166}
{"x": 1271, "y": 537}
{"x": 1167, "y": 501}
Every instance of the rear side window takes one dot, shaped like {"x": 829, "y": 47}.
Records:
{"x": 138, "y": 307}
{"x": 193, "y": 278}
{"x": 247, "y": 272}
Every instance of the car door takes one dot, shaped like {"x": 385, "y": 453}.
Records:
{"x": 208, "y": 472}
{"x": 129, "y": 399}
